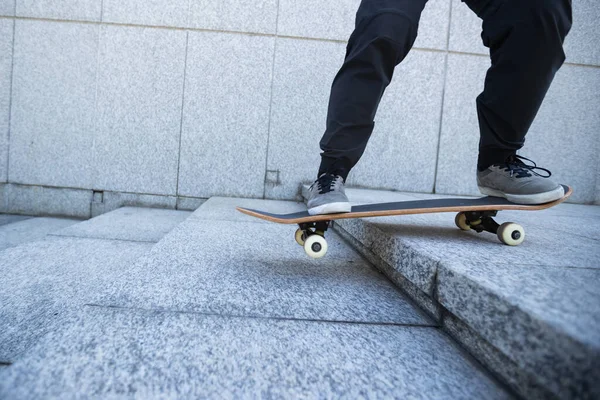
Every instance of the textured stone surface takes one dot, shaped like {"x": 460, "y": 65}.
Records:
{"x": 523, "y": 382}
{"x": 189, "y": 203}
{"x": 296, "y": 124}
{"x": 258, "y": 16}
{"x": 580, "y": 44}
{"x": 30, "y": 230}
{"x": 43, "y": 282}
{"x": 424, "y": 300}
{"x": 39, "y": 200}
{"x": 258, "y": 270}
{"x": 223, "y": 209}
{"x": 549, "y": 139}
{"x": 333, "y": 19}
{"x": 597, "y": 201}
{"x": 9, "y": 219}
{"x": 128, "y": 223}
{"x": 7, "y": 7}
{"x": 533, "y": 314}
{"x": 111, "y": 352}
{"x": 53, "y": 95}
{"x": 521, "y": 306}
{"x": 110, "y": 201}
{"x": 4, "y": 198}
{"x": 146, "y": 12}
{"x": 6, "y": 46}
{"x": 465, "y": 30}
{"x": 85, "y": 10}
{"x": 406, "y": 127}
{"x": 226, "y": 115}
{"x": 139, "y": 109}
{"x": 560, "y": 130}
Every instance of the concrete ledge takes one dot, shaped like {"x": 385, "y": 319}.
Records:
{"x": 529, "y": 313}
{"x": 36, "y": 200}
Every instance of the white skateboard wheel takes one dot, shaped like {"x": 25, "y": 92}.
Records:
{"x": 461, "y": 221}
{"x": 315, "y": 246}
{"x": 511, "y": 234}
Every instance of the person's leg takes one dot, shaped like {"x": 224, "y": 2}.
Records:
{"x": 525, "y": 38}
{"x": 385, "y": 32}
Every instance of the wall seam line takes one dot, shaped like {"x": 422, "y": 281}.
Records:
{"x": 270, "y": 115}
{"x": 187, "y": 41}
{"x": 441, "y": 119}
{"x": 10, "y": 100}
{"x": 261, "y": 34}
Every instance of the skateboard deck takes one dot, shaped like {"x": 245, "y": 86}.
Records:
{"x": 473, "y": 213}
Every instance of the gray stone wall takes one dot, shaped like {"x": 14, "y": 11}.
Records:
{"x": 177, "y": 100}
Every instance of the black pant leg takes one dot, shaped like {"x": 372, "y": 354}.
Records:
{"x": 525, "y": 38}
{"x": 385, "y": 32}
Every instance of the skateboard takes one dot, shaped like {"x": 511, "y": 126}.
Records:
{"x": 474, "y": 213}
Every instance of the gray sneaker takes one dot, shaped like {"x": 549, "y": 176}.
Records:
{"x": 327, "y": 196}
{"x": 518, "y": 182}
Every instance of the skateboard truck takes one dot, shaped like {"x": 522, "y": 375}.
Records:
{"x": 508, "y": 233}
{"x": 311, "y": 236}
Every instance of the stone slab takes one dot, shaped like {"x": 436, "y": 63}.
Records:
{"x": 407, "y": 128}
{"x": 255, "y": 16}
{"x": 225, "y": 132}
{"x": 4, "y": 197}
{"x": 45, "y": 201}
{"x": 465, "y": 30}
{"x": 43, "y": 283}
{"x": 549, "y": 138}
{"x": 9, "y": 219}
{"x": 597, "y": 200}
{"x": 399, "y": 145}
{"x": 296, "y": 124}
{"x": 522, "y": 305}
{"x": 6, "y": 49}
{"x": 116, "y": 353}
{"x": 146, "y": 12}
{"x": 523, "y": 382}
{"x": 128, "y": 223}
{"x": 7, "y": 7}
{"x": 424, "y": 300}
{"x": 53, "y": 97}
{"x": 189, "y": 203}
{"x": 138, "y": 112}
{"x": 107, "y": 201}
{"x": 335, "y": 20}
{"x": 580, "y": 44}
{"x": 252, "y": 269}
{"x": 533, "y": 314}
{"x": 83, "y": 10}
{"x": 223, "y": 209}
{"x": 30, "y": 230}
{"x": 416, "y": 244}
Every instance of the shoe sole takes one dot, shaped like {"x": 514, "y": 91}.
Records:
{"x": 538, "y": 198}
{"x": 330, "y": 208}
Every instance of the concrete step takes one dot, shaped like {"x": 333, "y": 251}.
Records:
{"x": 530, "y": 313}
{"x": 229, "y": 306}
{"x": 18, "y": 229}
{"x": 45, "y": 281}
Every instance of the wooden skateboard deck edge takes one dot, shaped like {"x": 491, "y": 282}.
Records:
{"x": 501, "y": 205}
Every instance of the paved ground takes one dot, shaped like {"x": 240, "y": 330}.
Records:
{"x": 531, "y": 311}
{"x": 222, "y": 305}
